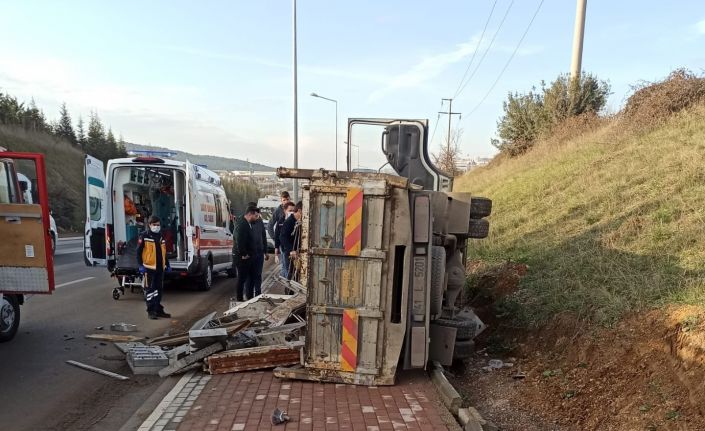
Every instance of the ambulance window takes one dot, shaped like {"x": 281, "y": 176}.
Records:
{"x": 95, "y": 198}
{"x": 218, "y": 211}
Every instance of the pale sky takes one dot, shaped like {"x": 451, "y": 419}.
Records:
{"x": 214, "y": 77}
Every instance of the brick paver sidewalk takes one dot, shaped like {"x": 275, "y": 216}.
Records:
{"x": 245, "y": 401}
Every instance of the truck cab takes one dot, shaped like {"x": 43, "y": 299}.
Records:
{"x": 26, "y": 261}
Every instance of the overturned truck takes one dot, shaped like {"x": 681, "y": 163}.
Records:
{"x": 383, "y": 261}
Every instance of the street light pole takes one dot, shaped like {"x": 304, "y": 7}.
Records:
{"x": 336, "y": 125}
{"x": 296, "y": 102}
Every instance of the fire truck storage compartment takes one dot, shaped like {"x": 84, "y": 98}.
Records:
{"x": 140, "y": 192}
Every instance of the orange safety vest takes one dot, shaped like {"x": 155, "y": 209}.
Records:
{"x": 149, "y": 253}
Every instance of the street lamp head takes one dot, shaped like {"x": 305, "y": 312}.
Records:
{"x": 315, "y": 95}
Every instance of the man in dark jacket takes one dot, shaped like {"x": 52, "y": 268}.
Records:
{"x": 153, "y": 262}
{"x": 258, "y": 236}
{"x": 277, "y": 219}
{"x": 289, "y": 238}
{"x": 242, "y": 251}
{"x": 283, "y": 257}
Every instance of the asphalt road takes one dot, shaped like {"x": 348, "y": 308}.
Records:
{"x": 39, "y": 391}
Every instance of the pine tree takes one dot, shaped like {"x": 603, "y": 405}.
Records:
{"x": 95, "y": 142}
{"x": 122, "y": 147}
{"x": 111, "y": 145}
{"x": 80, "y": 134}
{"x": 64, "y": 129}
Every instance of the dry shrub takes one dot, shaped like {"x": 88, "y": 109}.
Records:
{"x": 573, "y": 127}
{"x": 652, "y": 103}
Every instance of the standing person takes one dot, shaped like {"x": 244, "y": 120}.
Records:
{"x": 283, "y": 257}
{"x": 290, "y": 237}
{"x": 258, "y": 239}
{"x": 242, "y": 251}
{"x": 277, "y": 219}
{"x": 153, "y": 262}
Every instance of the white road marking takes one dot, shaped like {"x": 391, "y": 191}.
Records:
{"x": 68, "y": 283}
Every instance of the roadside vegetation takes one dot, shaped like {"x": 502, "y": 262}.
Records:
{"x": 607, "y": 211}
{"x": 25, "y": 128}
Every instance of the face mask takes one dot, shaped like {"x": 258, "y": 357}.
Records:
{"x": 155, "y": 229}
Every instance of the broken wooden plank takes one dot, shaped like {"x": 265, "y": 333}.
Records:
{"x": 281, "y": 314}
{"x": 114, "y": 338}
{"x": 190, "y": 359}
{"x": 270, "y": 299}
{"x": 182, "y": 338}
{"x": 97, "y": 370}
{"x": 254, "y": 358}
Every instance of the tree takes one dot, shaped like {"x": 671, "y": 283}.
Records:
{"x": 111, "y": 146}
{"x": 95, "y": 141}
{"x": 64, "y": 129}
{"x": 524, "y": 118}
{"x": 449, "y": 155}
{"x": 528, "y": 116}
{"x": 80, "y": 134}
{"x": 568, "y": 98}
{"x": 122, "y": 147}
{"x": 239, "y": 193}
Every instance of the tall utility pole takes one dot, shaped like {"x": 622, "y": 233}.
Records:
{"x": 296, "y": 103}
{"x": 578, "y": 34}
{"x": 450, "y": 114}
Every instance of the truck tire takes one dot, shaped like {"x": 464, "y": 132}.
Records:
{"x": 463, "y": 349}
{"x": 206, "y": 281}
{"x": 9, "y": 317}
{"x": 438, "y": 270}
{"x": 480, "y": 207}
{"x": 479, "y": 228}
{"x": 466, "y": 328}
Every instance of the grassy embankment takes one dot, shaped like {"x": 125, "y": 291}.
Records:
{"x": 608, "y": 222}
{"x": 64, "y": 164}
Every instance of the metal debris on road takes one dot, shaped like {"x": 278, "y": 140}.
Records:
{"x": 97, "y": 370}
{"x": 123, "y": 327}
{"x": 114, "y": 338}
{"x": 279, "y": 417}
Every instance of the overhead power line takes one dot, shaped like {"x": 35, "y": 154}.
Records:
{"x": 484, "y": 54}
{"x": 506, "y": 65}
{"x": 477, "y": 47}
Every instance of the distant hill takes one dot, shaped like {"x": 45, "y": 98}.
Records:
{"x": 214, "y": 163}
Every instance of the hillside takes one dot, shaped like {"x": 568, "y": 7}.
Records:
{"x": 592, "y": 279}
{"x": 213, "y": 162}
{"x": 607, "y": 222}
{"x": 64, "y": 164}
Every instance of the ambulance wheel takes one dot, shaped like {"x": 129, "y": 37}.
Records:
{"x": 116, "y": 294}
{"x": 9, "y": 317}
{"x": 207, "y": 278}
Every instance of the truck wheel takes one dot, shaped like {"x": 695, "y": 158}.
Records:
{"x": 463, "y": 349}
{"x": 207, "y": 278}
{"x": 479, "y": 228}
{"x": 9, "y": 317}
{"x": 467, "y": 329}
{"x": 438, "y": 270}
{"x": 480, "y": 207}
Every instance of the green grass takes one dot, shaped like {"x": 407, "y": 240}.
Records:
{"x": 609, "y": 222}
{"x": 64, "y": 164}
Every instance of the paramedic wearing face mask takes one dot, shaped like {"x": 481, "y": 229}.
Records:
{"x": 153, "y": 262}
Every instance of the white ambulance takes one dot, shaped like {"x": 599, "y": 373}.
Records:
{"x": 188, "y": 199}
